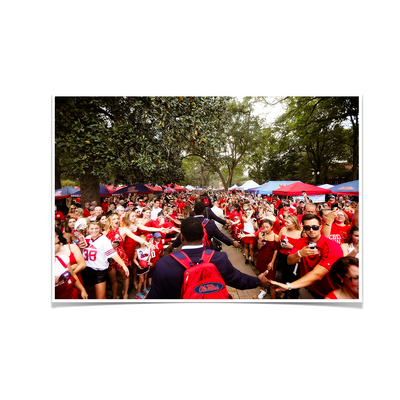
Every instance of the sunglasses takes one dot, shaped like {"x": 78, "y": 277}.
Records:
{"x": 309, "y": 227}
{"x": 352, "y": 278}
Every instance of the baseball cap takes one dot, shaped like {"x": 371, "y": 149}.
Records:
{"x": 91, "y": 208}
{"x": 130, "y": 203}
{"x": 157, "y": 234}
{"x": 80, "y": 224}
{"x": 59, "y": 216}
{"x": 143, "y": 263}
{"x": 148, "y": 236}
{"x": 120, "y": 208}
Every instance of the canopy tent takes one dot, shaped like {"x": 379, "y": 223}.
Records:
{"x": 348, "y": 188}
{"x": 65, "y": 192}
{"x": 156, "y": 189}
{"x": 188, "y": 187}
{"x": 169, "y": 190}
{"x": 268, "y": 187}
{"x": 248, "y": 185}
{"x": 233, "y": 187}
{"x": 326, "y": 186}
{"x": 135, "y": 189}
{"x": 105, "y": 191}
{"x": 177, "y": 187}
{"x": 296, "y": 189}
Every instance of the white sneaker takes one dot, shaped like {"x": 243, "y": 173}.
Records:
{"x": 262, "y": 294}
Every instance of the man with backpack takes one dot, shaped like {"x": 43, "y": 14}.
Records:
{"x": 172, "y": 279}
{"x": 211, "y": 230}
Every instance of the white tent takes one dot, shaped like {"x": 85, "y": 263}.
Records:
{"x": 188, "y": 187}
{"x": 233, "y": 187}
{"x": 326, "y": 186}
{"x": 248, "y": 185}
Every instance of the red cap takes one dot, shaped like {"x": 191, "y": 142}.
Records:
{"x": 59, "y": 215}
{"x": 130, "y": 203}
{"x": 148, "y": 236}
{"x": 143, "y": 263}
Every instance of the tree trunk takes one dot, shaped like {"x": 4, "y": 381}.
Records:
{"x": 57, "y": 174}
{"x": 90, "y": 187}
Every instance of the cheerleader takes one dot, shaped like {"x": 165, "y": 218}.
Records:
{"x": 117, "y": 235}
{"x": 96, "y": 253}
{"x": 134, "y": 224}
{"x": 66, "y": 282}
{"x": 249, "y": 227}
{"x": 142, "y": 258}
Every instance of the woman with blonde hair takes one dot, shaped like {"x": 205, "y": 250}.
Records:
{"x": 288, "y": 236}
{"x": 117, "y": 234}
{"x": 134, "y": 224}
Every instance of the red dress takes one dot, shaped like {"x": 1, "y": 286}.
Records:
{"x": 66, "y": 290}
{"x": 292, "y": 241}
{"x": 332, "y": 296}
{"x": 130, "y": 247}
{"x": 115, "y": 236}
{"x": 72, "y": 261}
{"x": 265, "y": 255}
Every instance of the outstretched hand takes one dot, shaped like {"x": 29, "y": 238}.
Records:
{"x": 264, "y": 281}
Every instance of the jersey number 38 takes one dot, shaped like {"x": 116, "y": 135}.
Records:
{"x": 91, "y": 255}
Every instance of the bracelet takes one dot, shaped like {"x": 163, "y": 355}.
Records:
{"x": 298, "y": 253}
{"x": 327, "y": 224}
{"x": 287, "y": 284}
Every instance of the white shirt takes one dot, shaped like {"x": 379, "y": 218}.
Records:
{"x": 154, "y": 213}
{"x": 219, "y": 213}
{"x": 97, "y": 252}
{"x": 248, "y": 227}
{"x": 192, "y": 247}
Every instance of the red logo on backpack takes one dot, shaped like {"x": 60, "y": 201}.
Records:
{"x": 203, "y": 280}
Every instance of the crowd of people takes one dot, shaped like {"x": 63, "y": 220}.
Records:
{"x": 296, "y": 248}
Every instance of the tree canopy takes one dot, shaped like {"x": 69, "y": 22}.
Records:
{"x": 130, "y": 140}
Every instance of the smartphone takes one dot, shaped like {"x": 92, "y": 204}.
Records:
{"x": 334, "y": 206}
{"x": 116, "y": 242}
{"x": 312, "y": 245}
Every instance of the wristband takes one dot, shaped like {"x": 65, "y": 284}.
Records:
{"x": 327, "y": 224}
{"x": 287, "y": 284}
{"x": 298, "y": 253}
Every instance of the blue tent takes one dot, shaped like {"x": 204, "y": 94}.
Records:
{"x": 268, "y": 187}
{"x": 136, "y": 189}
{"x": 65, "y": 192}
{"x": 104, "y": 192}
{"x": 348, "y": 188}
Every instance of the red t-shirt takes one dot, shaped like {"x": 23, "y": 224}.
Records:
{"x": 329, "y": 252}
{"x": 340, "y": 234}
{"x": 104, "y": 206}
{"x": 86, "y": 213}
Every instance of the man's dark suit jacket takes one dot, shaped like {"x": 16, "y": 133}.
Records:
{"x": 168, "y": 276}
{"x": 212, "y": 231}
{"x": 210, "y": 215}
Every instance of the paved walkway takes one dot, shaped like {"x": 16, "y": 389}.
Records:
{"x": 237, "y": 259}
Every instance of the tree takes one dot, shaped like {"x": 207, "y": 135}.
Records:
{"x": 131, "y": 139}
{"x": 312, "y": 135}
{"x": 311, "y": 117}
{"x": 239, "y": 134}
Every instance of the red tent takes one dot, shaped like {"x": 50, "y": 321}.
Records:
{"x": 177, "y": 188}
{"x": 296, "y": 189}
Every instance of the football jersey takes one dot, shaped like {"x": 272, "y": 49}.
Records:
{"x": 97, "y": 252}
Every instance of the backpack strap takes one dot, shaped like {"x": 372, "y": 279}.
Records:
{"x": 182, "y": 259}
{"x": 62, "y": 262}
{"x": 207, "y": 255}
{"x": 205, "y": 222}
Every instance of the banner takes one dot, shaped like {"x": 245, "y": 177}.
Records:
{"x": 319, "y": 198}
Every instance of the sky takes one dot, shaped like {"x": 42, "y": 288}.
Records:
{"x": 270, "y": 113}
